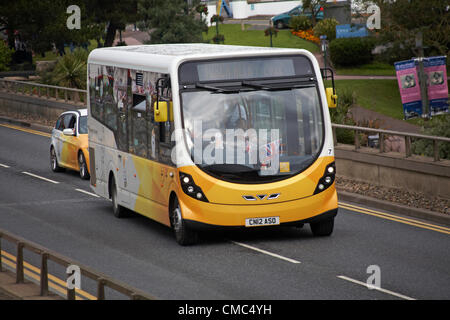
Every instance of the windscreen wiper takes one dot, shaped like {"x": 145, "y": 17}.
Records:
{"x": 215, "y": 89}
{"x": 280, "y": 87}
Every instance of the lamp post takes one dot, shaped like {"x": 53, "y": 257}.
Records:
{"x": 323, "y": 46}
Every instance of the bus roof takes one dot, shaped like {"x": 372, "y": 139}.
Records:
{"x": 163, "y": 56}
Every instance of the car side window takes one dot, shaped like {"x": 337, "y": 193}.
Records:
{"x": 69, "y": 121}
{"x": 59, "y": 123}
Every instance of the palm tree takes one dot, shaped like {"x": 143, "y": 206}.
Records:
{"x": 71, "y": 70}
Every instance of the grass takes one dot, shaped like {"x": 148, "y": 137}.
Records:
{"x": 381, "y": 96}
{"x": 372, "y": 69}
{"x": 235, "y": 36}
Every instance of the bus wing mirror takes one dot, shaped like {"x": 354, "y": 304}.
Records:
{"x": 161, "y": 111}
{"x": 331, "y": 98}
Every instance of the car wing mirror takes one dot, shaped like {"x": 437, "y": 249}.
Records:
{"x": 69, "y": 132}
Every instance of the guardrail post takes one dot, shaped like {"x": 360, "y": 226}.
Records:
{"x": 70, "y": 294}
{"x": 357, "y": 142}
{"x": 56, "y": 94}
{"x": 436, "y": 150}
{"x": 44, "y": 274}
{"x": 381, "y": 142}
{"x": 65, "y": 95}
{"x": 100, "y": 289}
{"x": 19, "y": 263}
{"x": 408, "y": 146}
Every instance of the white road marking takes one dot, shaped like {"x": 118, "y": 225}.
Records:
{"x": 4, "y": 165}
{"x": 89, "y": 193}
{"x": 265, "y": 252}
{"x": 376, "y": 288}
{"x": 39, "y": 177}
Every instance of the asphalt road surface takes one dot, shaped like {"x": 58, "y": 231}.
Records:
{"x": 267, "y": 263}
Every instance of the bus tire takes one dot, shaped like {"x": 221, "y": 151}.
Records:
{"x": 54, "y": 161}
{"x": 322, "y": 228}
{"x": 118, "y": 210}
{"x": 183, "y": 235}
{"x": 84, "y": 173}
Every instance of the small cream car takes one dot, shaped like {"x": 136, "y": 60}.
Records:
{"x": 69, "y": 144}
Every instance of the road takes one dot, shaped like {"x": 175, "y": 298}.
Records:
{"x": 278, "y": 263}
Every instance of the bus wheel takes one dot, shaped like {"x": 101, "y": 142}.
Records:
{"x": 54, "y": 161}
{"x": 323, "y": 228}
{"x": 183, "y": 234}
{"x": 84, "y": 173}
{"x": 118, "y": 210}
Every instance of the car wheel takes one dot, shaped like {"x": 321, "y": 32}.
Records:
{"x": 118, "y": 210}
{"x": 279, "y": 25}
{"x": 84, "y": 173}
{"x": 183, "y": 235}
{"x": 322, "y": 228}
{"x": 54, "y": 161}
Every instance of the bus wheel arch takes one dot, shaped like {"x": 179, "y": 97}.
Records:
{"x": 183, "y": 235}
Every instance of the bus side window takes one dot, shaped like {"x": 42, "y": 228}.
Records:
{"x": 138, "y": 126}
{"x": 152, "y": 132}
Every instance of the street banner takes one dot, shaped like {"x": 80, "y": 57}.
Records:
{"x": 435, "y": 69}
{"x": 408, "y": 84}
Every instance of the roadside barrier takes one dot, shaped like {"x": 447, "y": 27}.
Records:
{"x": 48, "y": 255}
{"x": 382, "y": 134}
{"x": 54, "y": 93}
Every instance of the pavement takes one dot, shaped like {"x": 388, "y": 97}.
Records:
{"x": 10, "y": 290}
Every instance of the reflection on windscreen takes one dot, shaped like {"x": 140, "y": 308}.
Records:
{"x": 253, "y": 134}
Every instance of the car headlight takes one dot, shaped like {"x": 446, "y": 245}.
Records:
{"x": 327, "y": 179}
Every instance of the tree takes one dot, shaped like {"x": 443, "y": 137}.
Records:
{"x": 114, "y": 14}
{"x": 401, "y": 20}
{"x": 313, "y": 6}
{"x": 40, "y": 24}
{"x": 5, "y": 56}
{"x": 172, "y": 21}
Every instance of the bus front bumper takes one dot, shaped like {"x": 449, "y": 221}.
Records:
{"x": 203, "y": 215}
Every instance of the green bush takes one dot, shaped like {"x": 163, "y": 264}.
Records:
{"x": 438, "y": 126}
{"x": 326, "y": 27}
{"x": 351, "y": 51}
{"x": 5, "y": 56}
{"x": 300, "y": 23}
{"x": 341, "y": 115}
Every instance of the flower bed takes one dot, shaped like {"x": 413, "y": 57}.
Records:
{"x": 307, "y": 35}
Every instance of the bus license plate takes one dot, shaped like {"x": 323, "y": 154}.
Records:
{"x": 254, "y": 222}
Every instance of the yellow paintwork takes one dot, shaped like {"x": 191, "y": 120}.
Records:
{"x": 226, "y": 206}
{"x": 70, "y": 147}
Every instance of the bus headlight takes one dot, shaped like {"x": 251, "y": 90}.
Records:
{"x": 190, "y": 188}
{"x": 327, "y": 178}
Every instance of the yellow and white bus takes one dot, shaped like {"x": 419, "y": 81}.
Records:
{"x": 200, "y": 136}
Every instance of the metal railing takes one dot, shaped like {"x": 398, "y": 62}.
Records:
{"x": 55, "y": 93}
{"x": 47, "y": 255}
{"x": 384, "y": 133}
